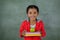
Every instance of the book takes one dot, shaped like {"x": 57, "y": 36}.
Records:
{"x": 32, "y": 34}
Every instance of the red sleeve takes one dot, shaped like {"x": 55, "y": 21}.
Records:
{"x": 43, "y": 32}
{"x": 21, "y": 29}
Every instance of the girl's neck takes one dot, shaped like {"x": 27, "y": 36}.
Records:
{"x": 32, "y": 22}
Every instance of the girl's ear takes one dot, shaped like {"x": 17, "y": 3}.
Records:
{"x": 37, "y": 14}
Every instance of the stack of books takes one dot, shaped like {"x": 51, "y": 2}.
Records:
{"x": 32, "y": 34}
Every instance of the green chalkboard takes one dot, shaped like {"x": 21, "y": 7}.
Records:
{"x": 13, "y": 12}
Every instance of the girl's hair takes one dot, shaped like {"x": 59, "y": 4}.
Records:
{"x": 32, "y": 6}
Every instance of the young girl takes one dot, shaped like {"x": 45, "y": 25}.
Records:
{"x": 32, "y": 24}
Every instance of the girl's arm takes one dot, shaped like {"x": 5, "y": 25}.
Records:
{"x": 43, "y": 33}
{"x": 21, "y": 29}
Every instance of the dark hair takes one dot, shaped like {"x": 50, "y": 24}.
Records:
{"x": 32, "y": 6}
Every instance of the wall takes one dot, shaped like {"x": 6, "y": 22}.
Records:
{"x": 13, "y": 12}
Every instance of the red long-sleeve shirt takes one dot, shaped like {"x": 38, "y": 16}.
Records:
{"x": 26, "y": 26}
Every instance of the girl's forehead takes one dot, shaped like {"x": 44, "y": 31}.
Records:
{"x": 32, "y": 9}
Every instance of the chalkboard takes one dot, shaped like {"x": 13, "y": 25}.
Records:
{"x": 13, "y": 12}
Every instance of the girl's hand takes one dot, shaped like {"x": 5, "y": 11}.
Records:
{"x": 23, "y": 32}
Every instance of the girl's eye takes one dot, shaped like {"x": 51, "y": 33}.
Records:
{"x": 34, "y": 12}
{"x": 30, "y": 13}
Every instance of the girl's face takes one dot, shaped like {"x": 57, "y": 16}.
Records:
{"x": 32, "y": 13}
